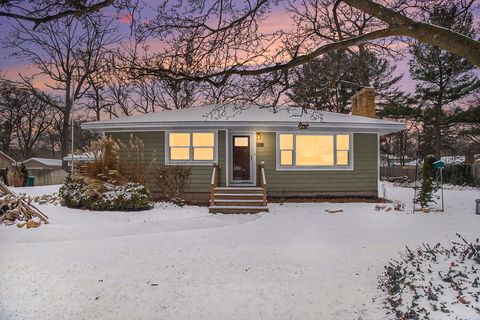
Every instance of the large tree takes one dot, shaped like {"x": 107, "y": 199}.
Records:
{"x": 444, "y": 80}
{"x": 329, "y": 82}
{"x": 230, "y": 39}
{"x": 223, "y": 28}
{"x": 68, "y": 51}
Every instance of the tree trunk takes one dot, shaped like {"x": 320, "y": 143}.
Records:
{"x": 438, "y": 132}
{"x": 65, "y": 134}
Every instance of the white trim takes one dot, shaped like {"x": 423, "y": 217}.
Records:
{"x": 190, "y": 162}
{"x": 378, "y": 165}
{"x": 350, "y": 167}
{"x": 383, "y": 128}
{"x": 227, "y": 152}
{"x": 253, "y": 158}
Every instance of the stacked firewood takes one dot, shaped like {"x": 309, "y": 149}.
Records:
{"x": 18, "y": 209}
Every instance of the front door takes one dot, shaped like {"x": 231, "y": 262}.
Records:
{"x": 241, "y": 158}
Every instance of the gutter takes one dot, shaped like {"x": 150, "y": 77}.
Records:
{"x": 155, "y": 126}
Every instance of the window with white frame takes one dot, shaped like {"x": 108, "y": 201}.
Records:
{"x": 191, "y": 147}
{"x": 298, "y": 150}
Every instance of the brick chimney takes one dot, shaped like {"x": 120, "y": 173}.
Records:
{"x": 363, "y": 103}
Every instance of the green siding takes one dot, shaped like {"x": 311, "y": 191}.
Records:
{"x": 200, "y": 176}
{"x": 364, "y": 177}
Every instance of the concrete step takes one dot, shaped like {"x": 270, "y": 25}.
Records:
{"x": 237, "y": 209}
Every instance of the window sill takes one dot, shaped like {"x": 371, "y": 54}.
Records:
{"x": 349, "y": 168}
{"x": 189, "y": 163}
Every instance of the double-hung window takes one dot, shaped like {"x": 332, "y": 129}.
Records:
{"x": 190, "y": 147}
{"x": 314, "y": 151}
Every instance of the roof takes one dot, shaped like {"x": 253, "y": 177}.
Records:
{"x": 86, "y": 156}
{"x": 242, "y": 116}
{"x": 45, "y": 161}
{"x": 6, "y": 156}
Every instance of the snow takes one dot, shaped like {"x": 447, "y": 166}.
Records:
{"x": 46, "y": 161}
{"x": 249, "y": 116}
{"x": 296, "y": 262}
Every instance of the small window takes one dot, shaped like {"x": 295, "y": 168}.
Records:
{"x": 191, "y": 147}
{"x": 240, "y": 141}
{"x": 179, "y": 146}
{"x": 286, "y": 149}
{"x": 203, "y": 146}
{"x": 343, "y": 149}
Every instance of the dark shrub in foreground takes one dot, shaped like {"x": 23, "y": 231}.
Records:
{"x": 126, "y": 197}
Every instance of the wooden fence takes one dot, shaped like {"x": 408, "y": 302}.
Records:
{"x": 402, "y": 171}
{"x": 398, "y": 171}
{"x": 476, "y": 171}
{"x": 45, "y": 177}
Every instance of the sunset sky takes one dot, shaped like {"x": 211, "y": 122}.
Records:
{"x": 278, "y": 19}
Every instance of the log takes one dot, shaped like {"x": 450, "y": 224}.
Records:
{"x": 28, "y": 210}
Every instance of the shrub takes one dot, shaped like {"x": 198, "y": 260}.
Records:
{"x": 459, "y": 174}
{"x": 126, "y": 197}
{"x": 428, "y": 185}
{"x": 171, "y": 181}
{"x": 117, "y": 163}
{"x": 431, "y": 282}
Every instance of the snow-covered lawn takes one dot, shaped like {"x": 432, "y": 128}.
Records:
{"x": 296, "y": 262}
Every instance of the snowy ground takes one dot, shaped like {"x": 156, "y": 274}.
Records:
{"x": 297, "y": 262}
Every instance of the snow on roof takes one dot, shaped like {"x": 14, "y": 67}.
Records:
{"x": 46, "y": 161}
{"x": 235, "y": 115}
{"x": 86, "y": 156}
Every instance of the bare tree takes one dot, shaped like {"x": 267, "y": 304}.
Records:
{"x": 68, "y": 51}
{"x": 34, "y": 118}
{"x": 228, "y": 40}
{"x": 10, "y": 102}
{"x": 95, "y": 98}
{"x": 39, "y": 12}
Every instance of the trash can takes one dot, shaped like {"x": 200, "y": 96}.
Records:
{"x": 30, "y": 181}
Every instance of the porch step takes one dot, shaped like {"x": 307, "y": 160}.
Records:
{"x": 238, "y": 196}
{"x": 236, "y": 190}
{"x": 237, "y": 209}
{"x": 239, "y": 202}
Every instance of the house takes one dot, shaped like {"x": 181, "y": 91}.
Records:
{"x": 6, "y": 162}
{"x": 261, "y": 153}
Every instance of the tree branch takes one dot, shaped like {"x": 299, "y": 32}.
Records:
{"x": 78, "y": 10}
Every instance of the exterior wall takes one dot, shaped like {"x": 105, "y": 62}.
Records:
{"x": 44, "y": 177}
{"x": 198, "y": 186}
{"x": 361, "y": 181}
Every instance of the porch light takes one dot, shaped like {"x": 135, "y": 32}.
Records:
{"x": 303, "y": 125}
{"x": 259, "y": 136}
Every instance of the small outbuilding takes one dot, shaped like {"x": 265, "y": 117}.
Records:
{"x": 45, "y": 170}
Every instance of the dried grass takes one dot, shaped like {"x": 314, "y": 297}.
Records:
{"x": 117, "y": 163}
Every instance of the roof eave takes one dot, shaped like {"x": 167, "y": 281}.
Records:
{"x": 143, "y": 126}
